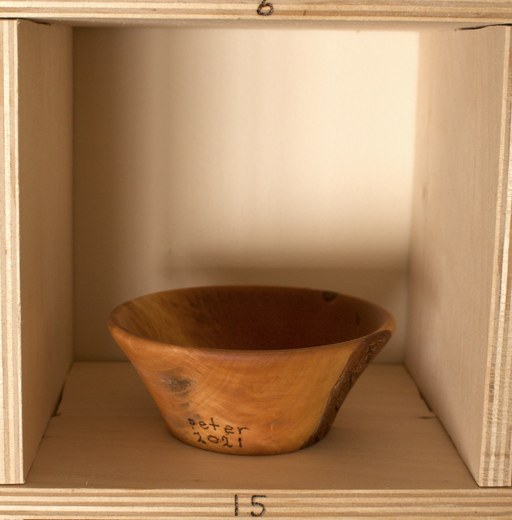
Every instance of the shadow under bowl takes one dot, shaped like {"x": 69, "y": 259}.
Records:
{"x": 250, "y": 370}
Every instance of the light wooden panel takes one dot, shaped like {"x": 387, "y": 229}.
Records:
{"x": 109, "y": 434}
{"x": 45, "y": 166}
{"x": 158, "y": 10}
{"x": 209, "y": 162}
{"x": 37, "y": 275}
{"x": 460, "y": 352}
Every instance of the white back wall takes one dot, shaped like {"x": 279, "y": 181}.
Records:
{"x": 220, "y": 156}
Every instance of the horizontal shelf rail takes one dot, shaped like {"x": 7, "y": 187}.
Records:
{"x": 462, "y": 11}
{"x": 158, "y": 504}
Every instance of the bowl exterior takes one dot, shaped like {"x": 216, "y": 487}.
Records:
{"x": 249, "y": 402}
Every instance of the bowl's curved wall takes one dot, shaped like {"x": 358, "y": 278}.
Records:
{"x": 248, "y": 401}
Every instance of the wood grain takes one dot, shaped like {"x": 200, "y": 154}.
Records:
{"x": 459, "y": 346}
{"x": 111, "y": 11}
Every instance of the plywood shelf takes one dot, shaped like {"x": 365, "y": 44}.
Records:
{"x": 157, "y": 11}
{"x": 107, "y": 433}
{"x": 107, "y": 453}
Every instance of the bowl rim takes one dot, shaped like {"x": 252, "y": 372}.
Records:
{"x": 388, "y": 326}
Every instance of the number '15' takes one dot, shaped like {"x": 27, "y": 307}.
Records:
{"x": 260, "y": 509}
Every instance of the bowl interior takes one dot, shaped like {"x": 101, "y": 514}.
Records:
{"x": 252, "y": 318}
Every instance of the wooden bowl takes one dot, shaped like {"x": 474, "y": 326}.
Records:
{"x": 249, "y": 370}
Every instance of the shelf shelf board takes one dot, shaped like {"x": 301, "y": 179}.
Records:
{"x": 107, "y": 453}
{"x": 108, "y": 433}
{"x": 157, "y": 11}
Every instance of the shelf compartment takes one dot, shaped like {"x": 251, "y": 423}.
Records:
{"x": 460, "y": 378}
{"x": 107, "y": 452}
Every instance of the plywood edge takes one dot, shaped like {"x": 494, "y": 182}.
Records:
{"x": 469, "y": 11}
{"x": 496, "y": 466}
{"x": 11, "y": 449}
{"x": 121, "y": 504}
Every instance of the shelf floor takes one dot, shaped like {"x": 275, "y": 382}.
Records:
{"x": 107, "y": 433}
